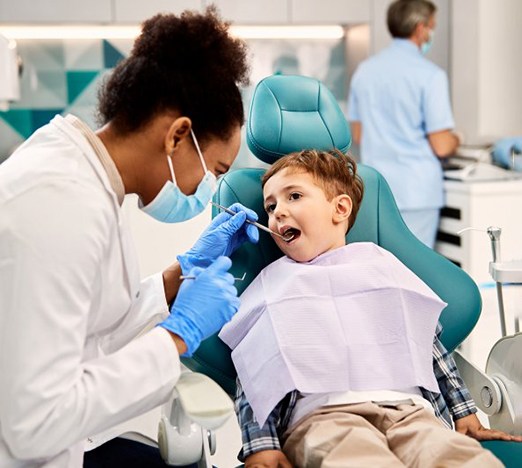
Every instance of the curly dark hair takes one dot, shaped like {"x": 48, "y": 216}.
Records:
{"x": 188, "y": 63}
{"x": 334, "y": 171}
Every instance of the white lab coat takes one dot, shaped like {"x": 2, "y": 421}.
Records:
{"x": 70, "y": 303}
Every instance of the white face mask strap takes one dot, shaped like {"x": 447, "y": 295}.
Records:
{"x": 171, "y": 168}
{"x": 200, "y": 154}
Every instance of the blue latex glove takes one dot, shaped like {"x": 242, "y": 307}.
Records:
{"x": 222, "y": 237}
{"x": 502, "y": 150}
{"x": 203, "y": 305}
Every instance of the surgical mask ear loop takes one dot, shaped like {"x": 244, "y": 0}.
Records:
{"x": 171, "y": 168}
{"x": 200, "y": 154}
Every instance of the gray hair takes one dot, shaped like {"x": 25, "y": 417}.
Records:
{"x": 404, "y": 16}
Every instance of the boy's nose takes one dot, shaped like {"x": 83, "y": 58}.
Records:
{"x": 280, "y": 211}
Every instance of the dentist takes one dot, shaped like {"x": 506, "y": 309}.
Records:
{"x": 71, "y": 301}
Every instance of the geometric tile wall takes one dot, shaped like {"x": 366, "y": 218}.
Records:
{"x": 63, "y": 76}
{"x": 59, "y": 77}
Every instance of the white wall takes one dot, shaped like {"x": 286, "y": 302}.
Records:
{"x": 500, "y": 67}
{"x": 486, "y": 67}
{"x": 157, "y": 244}
{"x": 439, "y": 53}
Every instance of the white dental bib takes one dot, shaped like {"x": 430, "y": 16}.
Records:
{"x": 354, "y": 318}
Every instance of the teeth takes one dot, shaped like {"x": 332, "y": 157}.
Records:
{"x": 292, "y": 233}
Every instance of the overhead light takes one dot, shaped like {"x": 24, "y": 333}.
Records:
{"x": 288, "y": 32}
{"x": 70, "y": 32}
{"x": 131, "y": 32}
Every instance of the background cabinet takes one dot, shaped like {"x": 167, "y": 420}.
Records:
{"x": 370, "y": 13}
{"x": 480, "y": 205}
{"x": 55, "y": 11}
{"x": 125, "y": 11}
{"x": 254, "y": 12}
{"x": 330, "y": 11}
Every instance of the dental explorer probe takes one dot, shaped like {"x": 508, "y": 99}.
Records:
{"x": 286, "y": 238}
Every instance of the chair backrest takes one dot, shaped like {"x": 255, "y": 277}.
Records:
{"x": 292, "y": 113}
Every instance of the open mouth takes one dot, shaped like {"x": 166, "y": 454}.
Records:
{"x": 291, "y": 234}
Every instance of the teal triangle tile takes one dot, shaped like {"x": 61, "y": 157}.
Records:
{"x": 45, "y": 54}
{"x": 51, "y": 91}
{"x": 10, "y": 139}
{"x": 111, "y": 55}
{"x": 41, "y": 117}
{"x": 77, "y": 82}
{"x": 89, "y": 96}
{"x": 83, "y": 55}
{"x": 19, "y": 120}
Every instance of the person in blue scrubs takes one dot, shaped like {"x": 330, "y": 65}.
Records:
{"x": 400, "y": 114}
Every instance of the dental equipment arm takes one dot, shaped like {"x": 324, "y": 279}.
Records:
{"x": 498, "y": 390}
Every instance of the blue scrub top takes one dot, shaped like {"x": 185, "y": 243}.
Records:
{"x": 399, "y": 97}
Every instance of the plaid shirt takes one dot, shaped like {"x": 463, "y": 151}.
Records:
{"x": 453, "y": 402}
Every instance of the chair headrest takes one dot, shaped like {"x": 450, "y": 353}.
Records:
{"x": 292, "y": 113}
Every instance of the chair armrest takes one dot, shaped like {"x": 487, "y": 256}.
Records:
{"x": 203, "y": 400}
{"x": 199, "y": 405}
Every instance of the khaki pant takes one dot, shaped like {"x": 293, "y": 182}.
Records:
{"x": 372, "y": 435}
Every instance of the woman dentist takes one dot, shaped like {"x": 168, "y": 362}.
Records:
{"x": 71, "y": 301}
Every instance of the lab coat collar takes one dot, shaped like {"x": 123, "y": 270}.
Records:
{"x": 87, "y": 150}
{"x": 76, "y": 136}
{"x": 103, "y": 155}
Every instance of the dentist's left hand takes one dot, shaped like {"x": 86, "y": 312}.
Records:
{"x": 222, "y": 237}
{"x": 503, "y": 147}
{"x": 203, "y": 305}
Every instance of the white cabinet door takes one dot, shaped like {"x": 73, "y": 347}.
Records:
{"x": 55, "y": 11}
{"x": 253, "y": 11}
{"x": 136, "y": 11}
{"x": 330, "y": 11}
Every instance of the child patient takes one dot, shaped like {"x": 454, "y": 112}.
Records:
{"x": 337, "y": 346}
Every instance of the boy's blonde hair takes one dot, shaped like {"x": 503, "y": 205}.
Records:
{"x": 333, "y": 171}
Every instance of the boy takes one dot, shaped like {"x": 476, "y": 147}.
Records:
{"x": 314, "y": 400}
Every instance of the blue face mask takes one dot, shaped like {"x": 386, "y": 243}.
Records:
{"x": 171, "y": 205}
{"x": 426, "y": 46}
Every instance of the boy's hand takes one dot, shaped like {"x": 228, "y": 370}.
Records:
{"x": 471, "y": 426}
{"x": 268, "y": 459}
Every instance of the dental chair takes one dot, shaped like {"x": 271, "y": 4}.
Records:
{"x": 291, "y": 113}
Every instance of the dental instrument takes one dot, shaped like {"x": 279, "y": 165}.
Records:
{"x": 189, "y": 277}
{"x": 287, "y": 236}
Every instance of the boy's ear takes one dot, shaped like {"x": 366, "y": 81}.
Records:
{"x": 342, "y": 208}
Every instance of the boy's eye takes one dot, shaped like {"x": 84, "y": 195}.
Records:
{"x": 295, "y": 196}
{"x": 269, "y": 208}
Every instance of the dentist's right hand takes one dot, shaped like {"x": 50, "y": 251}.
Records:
{"x": 203, "y": 305}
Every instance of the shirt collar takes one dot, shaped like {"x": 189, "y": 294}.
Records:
{"x": 406, "y": 44}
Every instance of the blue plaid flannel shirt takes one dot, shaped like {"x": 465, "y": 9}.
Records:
{"x": 453, "y": 402}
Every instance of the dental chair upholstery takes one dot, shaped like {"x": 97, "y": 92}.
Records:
{"x": 291, "y": 113}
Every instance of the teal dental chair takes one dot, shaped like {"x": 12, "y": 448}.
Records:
{"x": 291, "y": 113}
